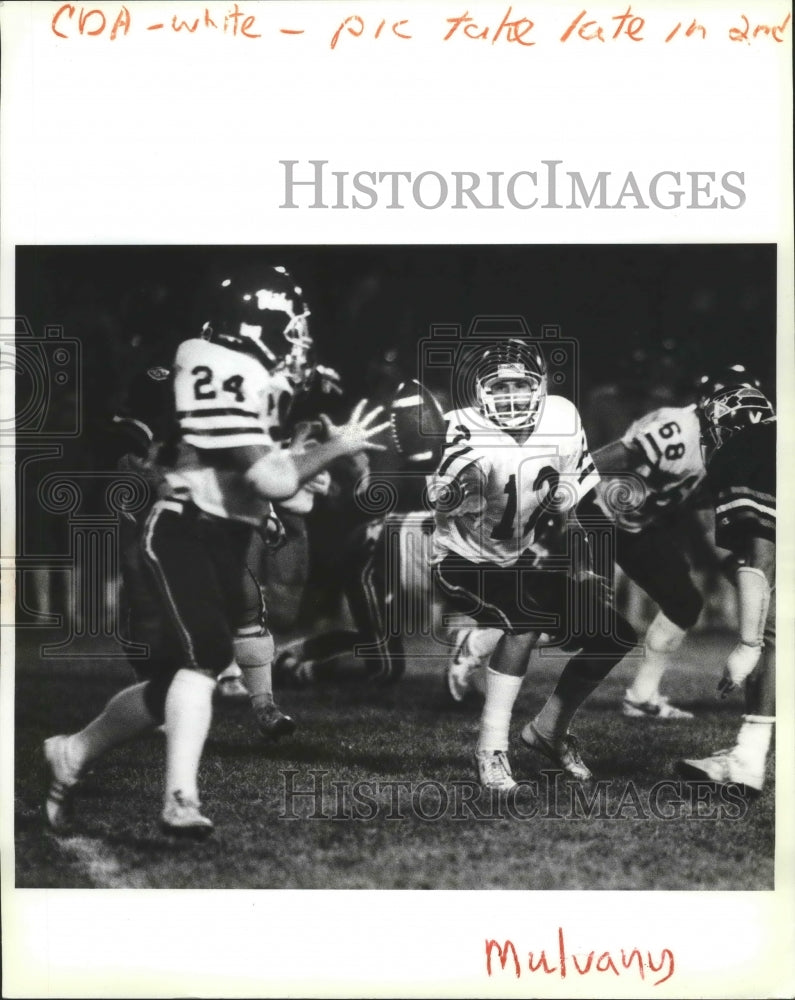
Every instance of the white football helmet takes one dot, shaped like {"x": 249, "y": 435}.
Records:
{"x": 511, "y": 384}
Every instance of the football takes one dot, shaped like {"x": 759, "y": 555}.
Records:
{"x": 417, "y": 425}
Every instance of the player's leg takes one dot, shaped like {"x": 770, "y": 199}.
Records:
{"x": 368, "y": 582}
{"x": 744, "y": 763}
{"x": 254, "y": 651}
{"x": 129, "y": 713}
{"x": 198, "y": 563}
{"x": 377, "y": 600}
{"x": 490, "y": 596}
{"x": 472, "y": 648}
{"x": 652, "y": 559}
{"x": 602, "y": 647}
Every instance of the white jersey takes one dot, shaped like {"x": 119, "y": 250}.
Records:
{"x": 490, "y": 491}
{"x": 224, "y": 399}
{"x": 668, "y": 447}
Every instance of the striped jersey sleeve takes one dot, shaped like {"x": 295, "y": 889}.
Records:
{"x": 578, "y": 466}
{"x": 221, "y": 397}
{"x": 585, "y": 470}
{"x": 742, "y": 478}
{"x": 458, "y": 482}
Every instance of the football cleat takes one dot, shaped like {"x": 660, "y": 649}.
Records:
{"x": 657, "y": 707}
{"x": 725, "y": 767}
{"x": 461, "y": 669}
{"x": 182, "y": 817}
{"x": 61, "y": 779}
{"x": 563, "y": 752}
{"x": 231, "y": 688}
{"x": 494, "y": 770}
{"x": 272, "y": 722}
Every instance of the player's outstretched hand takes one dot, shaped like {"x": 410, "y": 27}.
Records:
{"x": 357, "y": 434}
{"x": 740, "y": 664}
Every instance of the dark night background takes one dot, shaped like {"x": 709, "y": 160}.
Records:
{"x": 648, "y": 319}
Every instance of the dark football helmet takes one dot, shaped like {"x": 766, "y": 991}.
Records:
{"x": 511, "y": 383}
{"x": 728, "y": 406}
{"x": 261, "y": 311}
{"x": 713, "y": 381}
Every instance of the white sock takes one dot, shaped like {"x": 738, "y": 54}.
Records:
{"x": 646, "y": 685}
{"x": 124, "y": 717}
{"x": 254, "y": 653}
{"x": 259, "y": 681}
{"x": 189, "y": 708}
{"x": 501, "y": 693}
{"x": 753, "y": 740}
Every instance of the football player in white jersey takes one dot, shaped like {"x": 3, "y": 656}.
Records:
{"x": 511, "y": 460}
{"x": 196, "y": 538}
{"x": 648, "y": 476}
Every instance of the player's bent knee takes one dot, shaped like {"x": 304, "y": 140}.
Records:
{"x": 663, "y": 635}
{"x": 155, "y": 694}
{"x": 254, "y": 650}
{"x": 684, "y": 608}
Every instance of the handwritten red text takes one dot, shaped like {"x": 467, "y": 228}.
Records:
{"x": 563, "y": 962}
{"x": 590, "y": 31}
{"x": 88, "y": 22}
{"x": 354, "y": 26}
{"x": 516, "y": 30}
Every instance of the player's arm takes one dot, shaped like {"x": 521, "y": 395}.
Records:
{"x": 745, "y": 523}
{"x": 458, "y": 491}
{"x": 616, "y": 457}
{"x": 345, "y": 439}
{"x": 277, "y": 473}
{"x": 754, "y": 578}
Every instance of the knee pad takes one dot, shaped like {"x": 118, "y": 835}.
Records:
{"x": 663, "y": 636}
{"x": 254, "y": 650}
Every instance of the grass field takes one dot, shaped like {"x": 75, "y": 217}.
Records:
{"x": 631, "y": 833}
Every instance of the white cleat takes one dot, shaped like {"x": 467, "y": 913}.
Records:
{"x": 657, "y": 707}
{"x": 494, "y": 770}
{"x": 182, "y": 817}
{"x": 563, "y": 752}
{"x": 61, "y": 779}
{"x": 725, "y": 767}
{"x": 461, "y": 669}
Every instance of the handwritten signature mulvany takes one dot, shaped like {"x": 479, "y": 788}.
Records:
{"x": 560, "y": 961}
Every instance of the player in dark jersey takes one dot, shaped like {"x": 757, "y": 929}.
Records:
{"x": 195, "y": 541}
{"x": 739, "y": 437}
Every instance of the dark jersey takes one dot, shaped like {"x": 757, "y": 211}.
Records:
{"x": 146, "y": 418}
{"x": 742, "y": 478}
